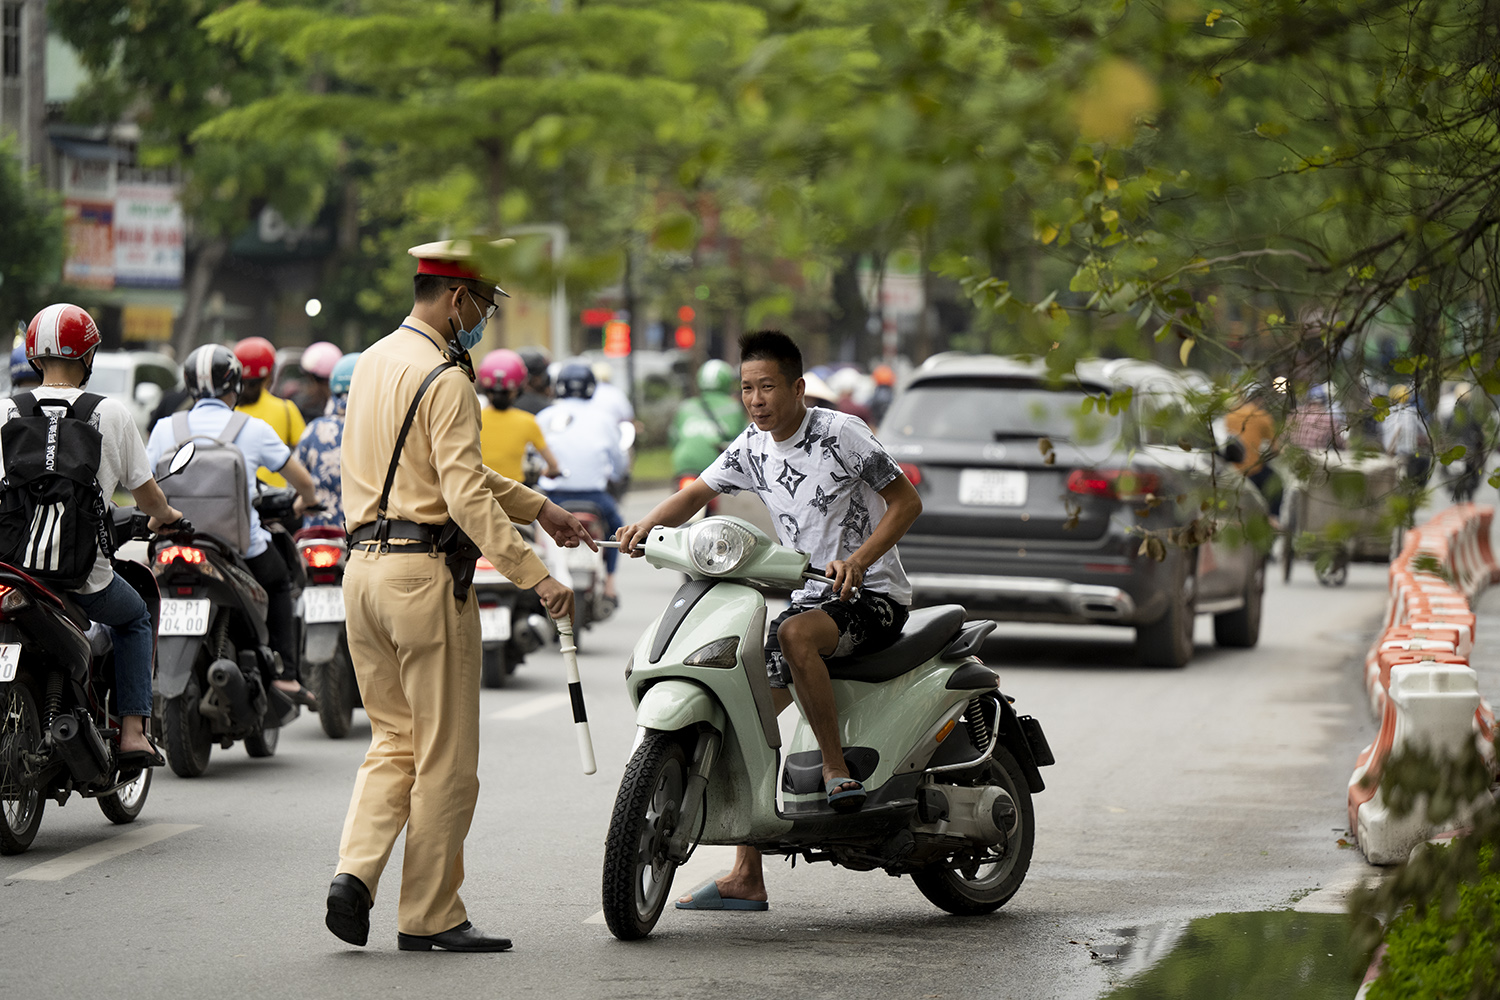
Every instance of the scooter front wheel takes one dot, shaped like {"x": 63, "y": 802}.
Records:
{"x": 975, "y": 886}
{"x": 637, "y": 873}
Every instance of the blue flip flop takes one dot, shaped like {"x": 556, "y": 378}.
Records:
{"x": 707, "y": 897}
{"x": 846, "y": 801}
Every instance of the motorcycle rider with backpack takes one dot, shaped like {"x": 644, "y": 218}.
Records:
{"x": 212, "y": 375}
{"x": 64, "y": 451}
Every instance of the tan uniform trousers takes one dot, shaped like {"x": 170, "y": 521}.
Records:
{"x": 417, "y": 656}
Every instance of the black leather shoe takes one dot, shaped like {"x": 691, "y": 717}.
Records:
{"x": 349, "y": 909}
{"x": 464, "y": 937}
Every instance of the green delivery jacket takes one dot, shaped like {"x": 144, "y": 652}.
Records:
{"x": 701, "y": 428}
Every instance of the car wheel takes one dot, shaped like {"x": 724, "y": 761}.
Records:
{"x": 1240, "y": 629}
{"x": 1168, "y": 641}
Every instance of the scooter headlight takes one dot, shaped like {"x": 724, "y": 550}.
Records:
{"x": 719, "y": 547}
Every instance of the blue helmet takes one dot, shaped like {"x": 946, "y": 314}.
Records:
{"x": 20, "y": 368}
{"x": 575, "y": 381}
{"x": 342, "y": 374}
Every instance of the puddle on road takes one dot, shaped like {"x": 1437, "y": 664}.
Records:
{"x": 1278, "y": 954}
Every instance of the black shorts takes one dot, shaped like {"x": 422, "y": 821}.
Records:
{"x": 870, "y": 621}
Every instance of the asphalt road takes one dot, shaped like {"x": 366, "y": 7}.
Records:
{"x": 1176, "y": 794}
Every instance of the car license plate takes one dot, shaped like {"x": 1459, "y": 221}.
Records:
{"x": 991, "y": 488}
{"x": 322, "y": 604}
{"x": 10, "y": 659}
{"x": 184, "y": 617}
{"x": 494, "y": 623}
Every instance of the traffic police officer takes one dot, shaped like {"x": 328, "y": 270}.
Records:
{"x": 413, "y": 634}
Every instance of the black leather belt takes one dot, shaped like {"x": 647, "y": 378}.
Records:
{"x": 408, "y": 531}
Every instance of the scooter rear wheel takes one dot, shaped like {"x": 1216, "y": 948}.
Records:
{"x": 637, "y": 874}
{"x": 494, "y": 671}
{"x": 337, "y": 691}
{"x": 188, "y": 736}
{"x": 970, "y": 891}
{"x": 21, "y": 799}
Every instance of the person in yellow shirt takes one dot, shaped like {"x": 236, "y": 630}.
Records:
{"x": 505, "y": 430}
{"x": 258, "y": 359}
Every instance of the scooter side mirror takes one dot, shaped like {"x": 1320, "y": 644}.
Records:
{"x": 627, "y": 435}
{"x": 180, "y": 459}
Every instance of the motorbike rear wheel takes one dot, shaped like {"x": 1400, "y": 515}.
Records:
{"x": 494, "y": 669}
{"x": 637, "y": 873}
{"x": 337, "y": 691}
{"x": 126, "y": 804}
{"x": 262, "y": 742}
{"x": 189, "y": 736}
{"x": 21, "y": 799}
{"x": 972, "y": 890}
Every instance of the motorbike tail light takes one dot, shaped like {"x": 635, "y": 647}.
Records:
{"x": 1113, "y": 483}
{"x": 322, "y": 556}
{"x": 683, "y": 482}
{"x": 188, "y": 554}
{"x": 12, "y": 599}
{"x": 913, "y": 472}
{"x": 325, "y": 578}
{"x": 184, "y": 591}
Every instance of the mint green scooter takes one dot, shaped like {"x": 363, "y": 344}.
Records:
{"x": 949, "y": 767}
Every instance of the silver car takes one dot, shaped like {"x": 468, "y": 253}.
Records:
{"x": 1038, "y": 506}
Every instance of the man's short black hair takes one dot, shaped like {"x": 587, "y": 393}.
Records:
{"x": 773, "y": 345}
{"x": 431, "y": 287}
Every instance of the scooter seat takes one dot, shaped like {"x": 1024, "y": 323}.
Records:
{"x": 928, "y": 631}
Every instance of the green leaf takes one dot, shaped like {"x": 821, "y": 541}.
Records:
{"x": 1453, "y": 454}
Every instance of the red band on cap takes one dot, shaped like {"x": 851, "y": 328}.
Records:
{"x": 445, "y": 269}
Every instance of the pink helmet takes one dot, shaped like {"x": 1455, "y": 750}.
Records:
{"x": 320, "y": 358}
{"x": 502, "y": 369}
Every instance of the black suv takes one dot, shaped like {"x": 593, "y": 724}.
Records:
{"x": 1037, "y": 504}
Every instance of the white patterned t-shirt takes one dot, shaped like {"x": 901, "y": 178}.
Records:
{"x": 821, "y": 486}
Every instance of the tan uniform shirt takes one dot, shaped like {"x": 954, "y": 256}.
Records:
{"x": 441, "y": 474}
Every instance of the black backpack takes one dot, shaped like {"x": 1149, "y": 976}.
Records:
{"x": 52, "y": 514}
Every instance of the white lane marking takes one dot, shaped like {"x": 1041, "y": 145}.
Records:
{"x": 85, "y": 857}
{"x": 534, "y": 706}
{"x": 707, "y": 862}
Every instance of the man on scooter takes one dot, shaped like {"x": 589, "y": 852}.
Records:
{"x": 212, "y": 375}
{"x": 837, "y": 495}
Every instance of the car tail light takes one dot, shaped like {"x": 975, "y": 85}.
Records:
{"x": 188, "y": 554}
{"x": 1113, "y": 483}
{"x": 683, "y": 482}
{"x": 322, "y": 556}
{"x": 913, "y": 472}
{"x": 325, "y": 578}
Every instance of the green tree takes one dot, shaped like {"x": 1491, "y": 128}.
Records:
{"x": 31, "y": 243}
{"x": 153, "y": 60}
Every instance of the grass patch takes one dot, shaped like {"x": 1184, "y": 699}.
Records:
{"x": 1430, "y": 956}
{"x": 652, "y": 465}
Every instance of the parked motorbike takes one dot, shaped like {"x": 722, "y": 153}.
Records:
{"x": 59, "y": 721}
{"x": 949, "y": 766}
{"x": 215, "y": 665}
{"x": 512, "y": 621}
{"x": 323, "y": 552}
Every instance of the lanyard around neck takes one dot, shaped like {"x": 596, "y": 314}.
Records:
{"x": 441, "y": 349}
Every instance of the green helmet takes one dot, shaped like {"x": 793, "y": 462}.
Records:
{"x": 717, "y": 376}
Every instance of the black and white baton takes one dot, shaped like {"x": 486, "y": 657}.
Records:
{"x": 575, "y": 692}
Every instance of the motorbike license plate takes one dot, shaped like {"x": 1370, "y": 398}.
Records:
{"x": 991, "y": 488}
{"x": 184, "y": 617}
{"x": 494, "y": 623}
{"x": 322, "y": 604}
{"x": 10, "y": 659}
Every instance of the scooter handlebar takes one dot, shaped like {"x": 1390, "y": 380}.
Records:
{"x": 820, "y": 578}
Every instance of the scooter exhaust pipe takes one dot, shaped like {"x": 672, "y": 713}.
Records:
{"x": 234, "y": 694}
{"x": 80, "y": 746}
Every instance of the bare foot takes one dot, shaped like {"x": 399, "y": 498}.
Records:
{"x": 133, "y": 736}
{"x": 732, "y": 887}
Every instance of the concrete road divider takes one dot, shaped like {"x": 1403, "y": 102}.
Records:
{"x": 1417, "y": 672}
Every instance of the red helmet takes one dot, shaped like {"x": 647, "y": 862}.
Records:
{"x": 502, "y": 369}
{"x": 257, "y": 357}
{"x": 60, "y": 331}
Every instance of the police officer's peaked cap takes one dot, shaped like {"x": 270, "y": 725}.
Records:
{"x": 453, "y": 259}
